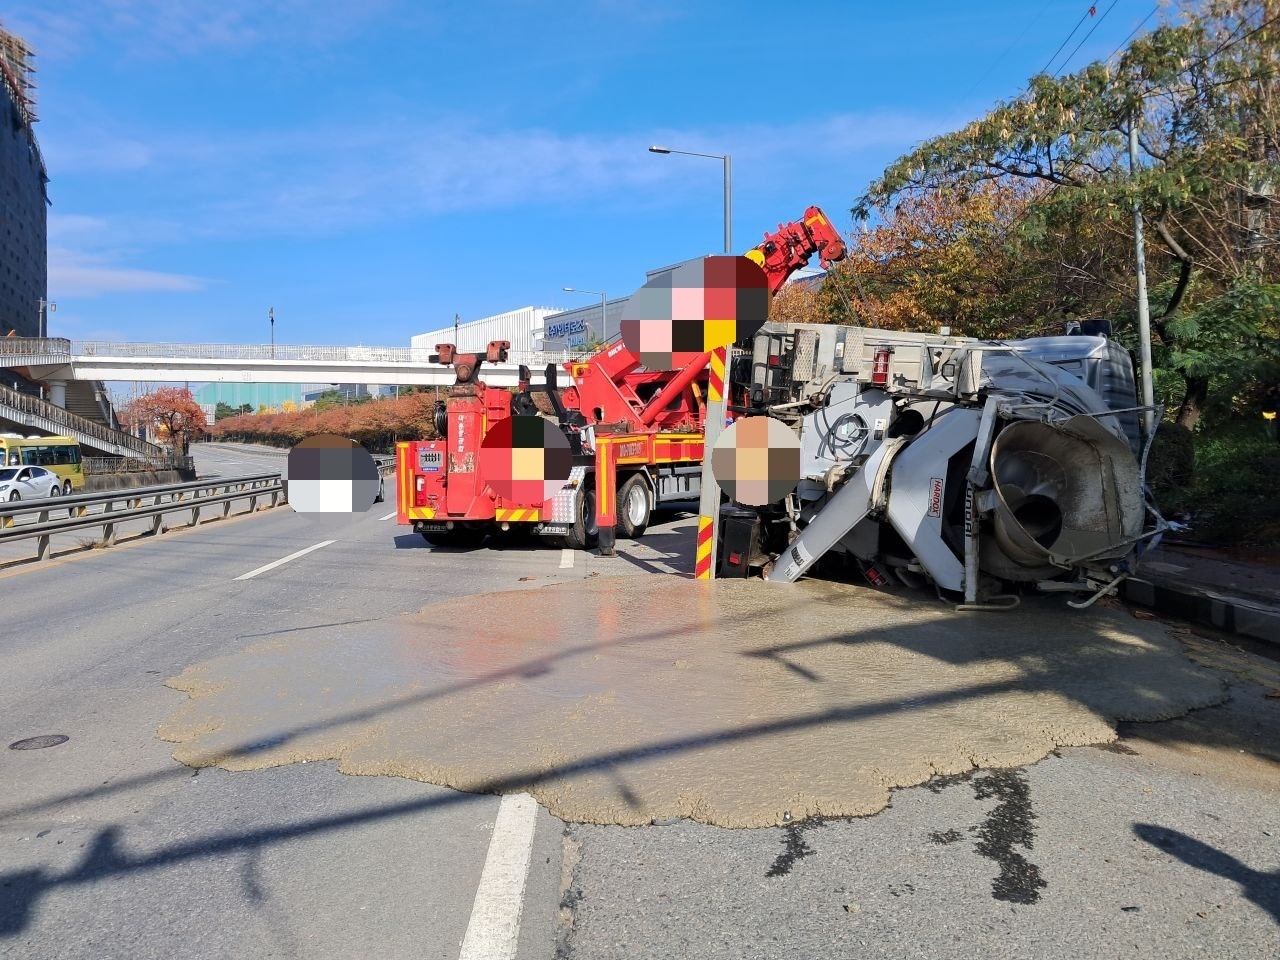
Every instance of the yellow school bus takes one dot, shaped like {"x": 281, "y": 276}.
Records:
{"x": 60, "y": 455}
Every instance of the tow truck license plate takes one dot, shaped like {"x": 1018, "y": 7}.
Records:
{"x": 430, "y": 461}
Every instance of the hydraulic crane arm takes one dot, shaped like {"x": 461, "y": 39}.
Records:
{"x": 792, "y": 245}
{"x": 780, "y": 255}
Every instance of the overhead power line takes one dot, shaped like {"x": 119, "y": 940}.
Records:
{"x": 1087, "y": 14}
{"x": 1133, "y": 33}
{"x": 1083, "y": 39}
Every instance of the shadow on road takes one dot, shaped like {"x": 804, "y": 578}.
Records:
{"x": 1258, "y": 887}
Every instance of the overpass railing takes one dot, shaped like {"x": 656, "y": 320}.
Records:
{"x": 29, "y": 409}
{"x": 22, "y": 351}
{"x": 25, "y": 351}
{"x": 295, "y": 352}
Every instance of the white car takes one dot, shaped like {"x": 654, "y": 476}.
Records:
{"x": 28, "y": 483}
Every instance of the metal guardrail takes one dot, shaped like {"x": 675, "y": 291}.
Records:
{"x": 120, "y": 506}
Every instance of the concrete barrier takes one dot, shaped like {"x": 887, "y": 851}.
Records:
{"x": 103, "y": 482}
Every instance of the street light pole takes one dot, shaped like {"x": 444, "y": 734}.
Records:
{"x": 271, "y": 315}
{"x": 46, "y": 307}
{"x": 604, "y": 305}
{"x": 727, "y": 160}
{"x": 715, "y": 415}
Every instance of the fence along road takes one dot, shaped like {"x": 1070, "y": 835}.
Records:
{"x": 136, "y": 512}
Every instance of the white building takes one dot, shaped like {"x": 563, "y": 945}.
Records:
{"x": 522, "y": 327}
{"x": 538, "y": 334}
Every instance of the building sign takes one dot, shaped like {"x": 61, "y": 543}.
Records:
{"x": 567, "y": 330}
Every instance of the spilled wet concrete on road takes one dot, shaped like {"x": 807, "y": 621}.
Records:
{"x": 738, "y": 703}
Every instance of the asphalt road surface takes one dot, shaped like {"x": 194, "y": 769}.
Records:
{"x": 1165, "y": 845}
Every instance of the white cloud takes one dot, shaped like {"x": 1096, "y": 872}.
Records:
{"x": 330, "y": 178}
{"x": 93, "y": 151}
{"x": 66, "y": 227}
{"x": 74, "y": 273}
{"x": 172, "y": 29}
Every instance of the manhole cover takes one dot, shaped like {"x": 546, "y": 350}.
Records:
{"x": 40, "y": 742}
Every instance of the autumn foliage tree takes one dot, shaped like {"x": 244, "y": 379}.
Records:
{"x": 377, "y": 424}
{"x": 797, "y": 303}
{"x": 172, "y": 412}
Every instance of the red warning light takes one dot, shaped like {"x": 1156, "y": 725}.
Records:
{"x": 880, "y": 372}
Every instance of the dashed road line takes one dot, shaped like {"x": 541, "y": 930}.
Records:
{"x": 493, "y": 931}
{"x": 293, "y": 556}
{"x": 566, "y": 558}
{"x": 387, "y": 517}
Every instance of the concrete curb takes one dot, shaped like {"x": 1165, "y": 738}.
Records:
{"x": 1247, "y": 618}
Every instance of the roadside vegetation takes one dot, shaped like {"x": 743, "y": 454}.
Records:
{"x": 377, "y": 423}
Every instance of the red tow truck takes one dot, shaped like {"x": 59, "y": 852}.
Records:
{"x": 636, "y": 435}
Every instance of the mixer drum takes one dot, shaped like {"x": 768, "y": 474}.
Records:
{"x": 1064, "y": 493}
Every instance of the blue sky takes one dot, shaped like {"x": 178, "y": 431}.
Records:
{"x": 370, "y": 169}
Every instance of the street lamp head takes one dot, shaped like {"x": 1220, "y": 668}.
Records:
{"x": 659, "y": 150}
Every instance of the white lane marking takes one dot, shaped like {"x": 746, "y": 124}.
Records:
{"x": 293, "y": 556}
{"x": 387, "y": 517}
{"x": 566, "y": 558}
{"x": 494, "y": 929}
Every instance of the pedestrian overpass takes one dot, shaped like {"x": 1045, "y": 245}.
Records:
{"x": 65, "y": 364}
{"x": 57, "y": 361}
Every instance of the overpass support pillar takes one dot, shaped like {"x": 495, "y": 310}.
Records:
{"x": 58, "y": 393}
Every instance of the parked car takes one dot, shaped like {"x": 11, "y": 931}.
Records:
{"x": 28, "y": 483}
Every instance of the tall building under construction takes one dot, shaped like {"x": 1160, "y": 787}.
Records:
{"x": 23, "y": 197}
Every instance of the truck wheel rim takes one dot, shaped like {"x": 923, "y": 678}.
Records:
{"x": 636, "y": 505}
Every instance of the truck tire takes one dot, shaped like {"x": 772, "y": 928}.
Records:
{"x": 585, "y": 532}
{"x": 633, "y": 507}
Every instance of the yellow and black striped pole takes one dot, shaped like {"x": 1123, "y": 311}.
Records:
{"x": 704, "y": 564}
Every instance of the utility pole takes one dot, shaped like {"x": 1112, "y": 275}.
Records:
{"x": 44, "y": 308}
{"x": 1144, "y": 309}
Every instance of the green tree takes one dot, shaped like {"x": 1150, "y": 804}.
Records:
{"x": 330, "y": 399}
{"x": 1202, "y": 95}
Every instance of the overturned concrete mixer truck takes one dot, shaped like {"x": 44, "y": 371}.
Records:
{"x": 971, "y": 467}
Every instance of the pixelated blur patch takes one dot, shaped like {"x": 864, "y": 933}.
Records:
{"x": 525, "y": 460}
{"x": 695, "y": 308}
{"x": 756, "y": 461}
{"x": 328, "y": 474}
